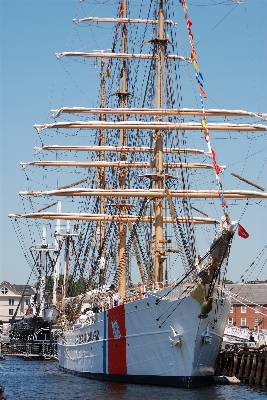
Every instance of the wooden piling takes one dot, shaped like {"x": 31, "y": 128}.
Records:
{"x": 225, "y": 369}
{"x": 259, "y": 370}
{"x": 253, "y": 369}
{"x": 235, "y": 364}
{"x": 241, "y": 368}
{"x": 264, "y": 375}
{"x": 247, "y": 368}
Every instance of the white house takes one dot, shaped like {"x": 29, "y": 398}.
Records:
{"x": 11, "y": 300}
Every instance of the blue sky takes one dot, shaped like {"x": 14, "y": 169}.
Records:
{"x": 231, "y": 44}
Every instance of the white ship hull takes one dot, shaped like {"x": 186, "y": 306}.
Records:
{"x": 144, "y": 342}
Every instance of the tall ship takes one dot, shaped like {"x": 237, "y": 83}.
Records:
{"x": 141, "y": 296}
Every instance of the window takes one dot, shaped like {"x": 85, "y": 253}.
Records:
{"x": 231, "y": 309}
{"x": 257, "y": 309}
{"x": 243, "y": 321}
{"x": 27, "y": 302}
{"x": 230, "y": 321}
{"x": 11, "y": 311}
{"x": 11, "y": 302}
{"x": 4, "y": 290}
{"x": 243, "y": 309}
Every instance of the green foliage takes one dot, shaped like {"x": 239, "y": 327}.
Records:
{"x": 74, "y": 287}
{"x": 49, "y": 283}
{"x": 228, "y": 281}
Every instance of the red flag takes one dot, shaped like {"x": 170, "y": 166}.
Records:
{"x": 217, "y": 169}
{"x": 188, "y": 22}
{"x": 213, "y": 154}
{"x": 242, "y": 232}
{"x": 203, "y": 94}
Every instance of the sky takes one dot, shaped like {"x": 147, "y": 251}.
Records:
{"x": 231, "y": 43}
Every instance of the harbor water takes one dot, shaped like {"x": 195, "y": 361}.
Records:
{"x": 43, "y": 380}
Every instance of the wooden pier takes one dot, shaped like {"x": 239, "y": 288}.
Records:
{"x": 249, "y": 366}
{"x": 43, "y": 350}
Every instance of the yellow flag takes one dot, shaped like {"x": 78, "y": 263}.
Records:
{"x": 196, "y": 66}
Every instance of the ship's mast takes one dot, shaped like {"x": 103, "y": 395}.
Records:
{"x": 57, "y": 255}
{"x": 161, "y": 42}
{"x": 102, "y": 172}
{"x": 43, "y": 272}
{"x": 122, "y": 174}
{"x": 67, "y": 235}
{"x": 66, "y": 264}
{"x": 43, "y": 249}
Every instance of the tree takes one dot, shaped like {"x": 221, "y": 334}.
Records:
{"x": 49, "y": 284}
{"x": 76, "y": 287}
{"x": 225, "y": 281}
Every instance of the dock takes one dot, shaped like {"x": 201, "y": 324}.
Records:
{"x": 247, "y": 366}
{"x": 42, "y": 350}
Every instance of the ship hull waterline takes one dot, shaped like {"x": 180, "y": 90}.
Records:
{"x": 146, "y": 342}
{"x": 188, "y": 382}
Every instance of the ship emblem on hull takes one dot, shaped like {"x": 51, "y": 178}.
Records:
{"x": 116, "y": 329}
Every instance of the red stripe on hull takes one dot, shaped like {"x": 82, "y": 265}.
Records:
{"x": 117, "y": 341}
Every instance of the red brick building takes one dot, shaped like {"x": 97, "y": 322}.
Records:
{"x": 249, "y": 305}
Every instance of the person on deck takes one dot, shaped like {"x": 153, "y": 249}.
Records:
{"x": 116, "y": 298}
{"x": 140, "y": 290}
{"x": 251, "y": 338}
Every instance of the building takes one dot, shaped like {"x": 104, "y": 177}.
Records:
{"x": 249, "y": 305}
{"x": 11, "y": 300}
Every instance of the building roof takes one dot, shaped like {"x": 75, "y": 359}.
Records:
{"x": 248, "y": 293}
{"x": 10, "y": 287}
{"x": 29, "y": 291}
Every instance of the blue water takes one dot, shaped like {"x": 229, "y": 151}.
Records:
{"x": 43, "y": 380}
